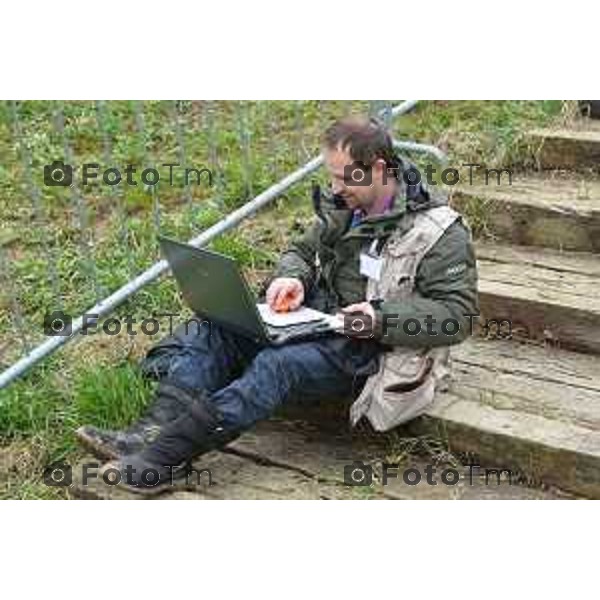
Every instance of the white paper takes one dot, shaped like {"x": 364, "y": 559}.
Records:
{"x": 370, "y": 266}
{"x": 296, "y": 317}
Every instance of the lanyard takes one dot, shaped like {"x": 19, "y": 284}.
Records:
{"x": 373, "y": 248}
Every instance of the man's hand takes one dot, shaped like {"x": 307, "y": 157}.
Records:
{"x": 285, "y": 293}
{"x": 359, "y": 320}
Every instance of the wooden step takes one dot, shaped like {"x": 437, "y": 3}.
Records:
{"x": 530, "y": 409}
{"x": 300, "y": 460}
{"x": 561, "y": 213}
{"x": 574, "y": 149}
{"x": 546, "y": 294}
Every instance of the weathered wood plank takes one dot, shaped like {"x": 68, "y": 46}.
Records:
{"x": 526, "y": 408}
{"x": 550, "y": 383}
{"x": 576, "y": 148}
{"x": 547, "y": 294}
{"x": 547, "y": 451}
{"x": 558, "y": 213}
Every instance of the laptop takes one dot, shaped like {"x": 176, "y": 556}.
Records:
{"x": 214, "y": 287}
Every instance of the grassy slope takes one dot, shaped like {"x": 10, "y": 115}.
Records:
{"x": 94, "y": 380}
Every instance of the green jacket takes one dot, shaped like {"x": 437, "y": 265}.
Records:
{"x": 326, "y": 259}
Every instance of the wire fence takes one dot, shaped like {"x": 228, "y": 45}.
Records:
{"x": 81, "y": 205}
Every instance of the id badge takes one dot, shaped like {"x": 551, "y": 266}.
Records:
{"x": 370, "y": 266}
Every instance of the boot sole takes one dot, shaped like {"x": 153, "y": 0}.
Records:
{"x": 142, "y": 490}
{"x": 99, "y": 450}
{"x": 146, "y": 491}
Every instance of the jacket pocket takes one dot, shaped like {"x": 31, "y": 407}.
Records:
{"x": 398, "y": 275}
{"x": 407, "y": 376}
{"x": 405, "y": 389}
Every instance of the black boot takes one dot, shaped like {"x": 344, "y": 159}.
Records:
{"x": 170, "y": 402}
{"x": 165, "y": 460}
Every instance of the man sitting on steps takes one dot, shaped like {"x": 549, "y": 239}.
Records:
{"x": 380, "y": 245}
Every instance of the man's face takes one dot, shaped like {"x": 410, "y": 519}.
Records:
{"x": 356, "y": 196}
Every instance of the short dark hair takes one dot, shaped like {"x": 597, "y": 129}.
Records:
{"x": 365, "y": 138}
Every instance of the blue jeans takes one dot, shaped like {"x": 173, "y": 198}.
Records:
{"x": 248, "y": 381}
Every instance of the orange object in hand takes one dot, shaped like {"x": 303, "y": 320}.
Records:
{"x": 283, "y": 304}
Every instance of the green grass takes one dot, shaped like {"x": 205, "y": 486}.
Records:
{"x": 46, "y": 408}
{"x": 97, "y": 382}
